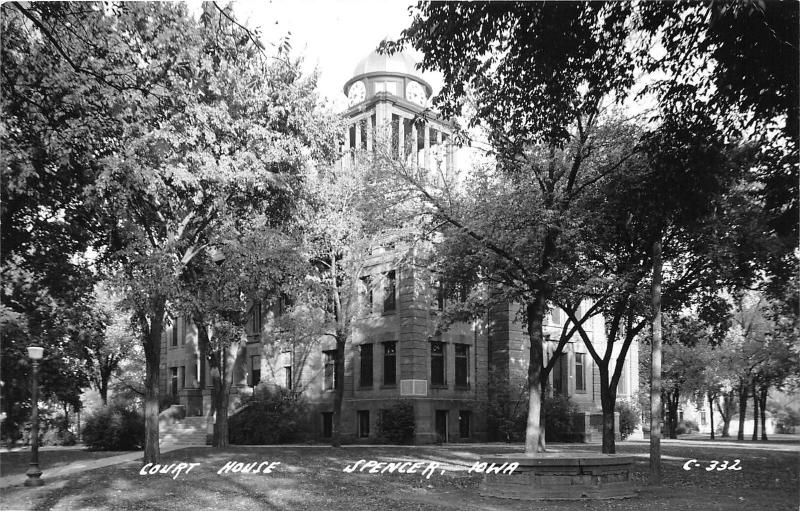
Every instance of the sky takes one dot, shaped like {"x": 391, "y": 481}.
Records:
{"x": 333, "y": 35}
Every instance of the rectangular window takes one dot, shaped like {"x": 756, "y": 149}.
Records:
{"x": 197, "y": 370}
{"x": 555, "y": 314}
{"x": 287, "y": 373}
{"x": 327, "y": 424}
{"x": 175, "y": 332}
{"x": 255, "y": 370}
{"x": 463, "y": 423}
{"x": 173, "y": 381}
{"x": 389, "y": 291}
{"x": 366, "y": 365}
{"x": 437, "y": 364}
{"x": 184, "y": 377}
{"x": 255, "y": 318}
{"x": 558, "y": 374}
{"x": 363, "y": 423}
{"x": 703, "y": 418}
{"x": 330, "y": 370}
{"x": 580, "y": 367}
{"x": 462, "y": 365}
{"x": 366, "y": 285}
{"x": 390, "y": 363}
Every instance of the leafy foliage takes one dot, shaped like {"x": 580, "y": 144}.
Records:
{"x": 396, "y": 423}
{"x": 508, "y": 413}
{"x": 154, "y": 129}
{"x": 532, "y": 67}
{"x": 686, "y": 427}
{"x": 114, "y": 428}
{"x": 629, "y": 418}
{"x": 560, "y": 414}
{"x": 270, "y": 416}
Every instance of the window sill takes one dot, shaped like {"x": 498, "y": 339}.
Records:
{"x": 462, "y": 387}
{"x": 438, "y": 385}
{"x": 388, "y": 386}
{"x": 366, "y": 387}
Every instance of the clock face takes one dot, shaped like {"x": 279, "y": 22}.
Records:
{"x": 415, "y": 93}
{"x": 356, "y": 93}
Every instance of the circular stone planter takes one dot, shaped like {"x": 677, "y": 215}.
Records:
{"x": 560, "y": 476}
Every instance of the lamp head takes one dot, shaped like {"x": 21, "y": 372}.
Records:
{"x": 35, "y": 352}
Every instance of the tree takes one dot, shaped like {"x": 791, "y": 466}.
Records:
{"x": 188, "y": 121}
{"x": 525, "y": 65}
{"x": 537, "y": 88}
{"x": 339, "y": 237}
{"x": 259, "y": 262}
{"x": 110, "y": 345}
{"x": 48, "y": 160}
{"x": 744, "y": 57}
{"x": 762, "y": 354}
{"x": 686, "y": 355}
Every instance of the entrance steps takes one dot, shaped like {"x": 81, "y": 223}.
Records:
{"x": 189, "y": 431}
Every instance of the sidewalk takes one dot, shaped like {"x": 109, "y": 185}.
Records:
{"x": 80, "y": 466}
{"x": 785, "y": 443}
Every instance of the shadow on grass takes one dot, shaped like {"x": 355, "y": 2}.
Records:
{"x": 17, "y": 462}
{"x": 313, "y": 478}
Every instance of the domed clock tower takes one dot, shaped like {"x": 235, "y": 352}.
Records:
{"x": 388, "y": 101}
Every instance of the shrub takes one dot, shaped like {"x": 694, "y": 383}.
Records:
{"x": 508, "y": 418}
{"x": 54, "y": 430}
{"x": 507, "y": 410}
{"x": 559, "y": 420}
{"x": 686, "y": 426}
{"x": 58, "y": 437}
{"x": 629, "y": 417}
{"x": 114, "y": 428}
{"x": 269, "y": 416}
{"x": 396, "y": 423}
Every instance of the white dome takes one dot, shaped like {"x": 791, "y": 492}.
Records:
{"x": 400, "y": 62}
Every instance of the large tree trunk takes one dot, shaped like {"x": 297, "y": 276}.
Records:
{"x": 152, "y": 352}
{"x": 222, "y": 370}
{"x": 220, "y": 399}
{"x": 763, "y": 410}
{"x": 103, "y": 390}
{"x": 534, "y": 431}
{"x": 726, "y": 412}
{"x": 755, "y": 412}
{"x": 338, "y": 392}
{"x": 655, "y": 371}
{"x": 742, "y": 409}
{"x": 672, "y": 399}
{"x": 608, "y": 398}
{"x": 711, "y": 412}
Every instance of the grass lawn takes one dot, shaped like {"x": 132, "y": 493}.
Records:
{"x": 313, "y": 478}
{"x": 17, "y": 462}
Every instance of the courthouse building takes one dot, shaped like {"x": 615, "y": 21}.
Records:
{"x": 396, "y": 351}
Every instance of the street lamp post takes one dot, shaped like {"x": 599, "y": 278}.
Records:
{"x": 34, "y": 474}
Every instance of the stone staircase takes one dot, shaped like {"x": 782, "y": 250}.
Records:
{"x": 183, "y": 432}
